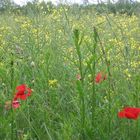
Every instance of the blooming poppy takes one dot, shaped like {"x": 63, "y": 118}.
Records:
{"x": 15, "y": 104}
{"x": 22, "y": 92}
{"x": 129, "y": 113}
{"x": 100, "y": 77}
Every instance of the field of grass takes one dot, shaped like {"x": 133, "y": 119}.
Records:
{"x": 59, "y": 56}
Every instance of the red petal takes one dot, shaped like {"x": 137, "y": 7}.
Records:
{"x": 23, "y": 97}
{"x": 121, "y": 114}
{"x": 130, "y": 113}
{"x": 20, "y": 92}
{"x": 98, "y": 78}
{"x": 21, "y": 87}
{"x": 23, "y": 92}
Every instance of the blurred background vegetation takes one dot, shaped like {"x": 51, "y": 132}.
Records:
{"x": 128, "y": 7}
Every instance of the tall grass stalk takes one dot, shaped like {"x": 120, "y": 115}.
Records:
{"x": 80, "y": 83}
{"x": 137, "y": 88}
{"x": 12, "y": 79}
{"x": 93, "y": 99}
{"x": 110, "y": 84}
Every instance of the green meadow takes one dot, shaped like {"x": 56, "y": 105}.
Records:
{"x": 82, "y": 67}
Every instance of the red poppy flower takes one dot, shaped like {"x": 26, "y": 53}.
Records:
{"x": 100, "y": 77}
{"x": 22, "y": 92}
{"x": 15, "y": 104}
{"x": 130, "y": 113}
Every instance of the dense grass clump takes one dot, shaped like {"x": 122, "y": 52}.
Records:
{"x": 79, "y": 69}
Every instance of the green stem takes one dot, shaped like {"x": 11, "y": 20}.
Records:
{"x": 137, "y": 102}
{"x": 77, "y": 41}
{"x": 82, "y": 98}
{"x": 111, "y": 86}
{"x": 12, "y": 78}
{"x": 93, "y": 75}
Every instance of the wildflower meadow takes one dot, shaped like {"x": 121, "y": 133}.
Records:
{"x": 69, "y": 73}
